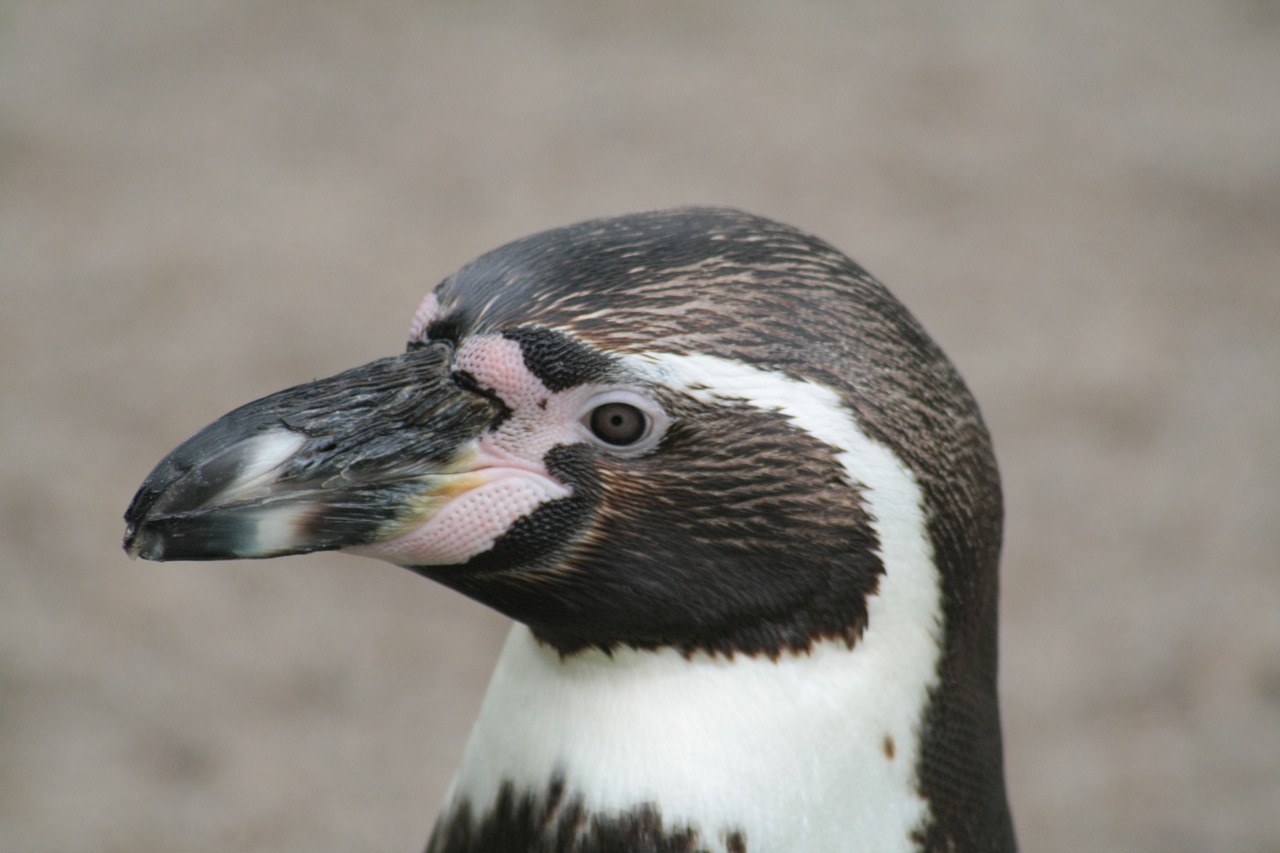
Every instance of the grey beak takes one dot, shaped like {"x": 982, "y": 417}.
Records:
{"x": 343, "y": 461}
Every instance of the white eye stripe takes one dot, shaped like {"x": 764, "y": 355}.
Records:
{"x": 809, "y": 406}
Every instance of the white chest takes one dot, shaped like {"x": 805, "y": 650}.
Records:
{"x": 811, "y": 752}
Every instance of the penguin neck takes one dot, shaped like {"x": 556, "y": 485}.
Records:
{"x": 813, "y": 750}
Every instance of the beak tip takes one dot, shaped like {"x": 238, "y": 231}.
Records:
{"x": 139, "y": 545}
{"x": 136, "y": 546}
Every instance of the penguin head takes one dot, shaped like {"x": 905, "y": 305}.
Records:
{"x": 654, "y": 430}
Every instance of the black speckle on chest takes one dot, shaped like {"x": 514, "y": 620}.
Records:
{"x": 555, "y": 822}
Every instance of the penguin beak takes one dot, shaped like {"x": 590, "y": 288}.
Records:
{"x": 352, "y": 460}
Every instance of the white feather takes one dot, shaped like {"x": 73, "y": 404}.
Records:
{"x": 263, "y": 454}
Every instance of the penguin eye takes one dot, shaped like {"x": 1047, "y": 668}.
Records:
{"x": 622, "y": 422}
{"x": 619, "y": 424}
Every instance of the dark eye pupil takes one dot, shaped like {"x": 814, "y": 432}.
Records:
{"x": 618, "y": 423}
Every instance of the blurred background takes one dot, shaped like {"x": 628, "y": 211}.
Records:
{"x": 201, "y": 203}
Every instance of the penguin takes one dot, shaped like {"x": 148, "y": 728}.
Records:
{"x": 742, "y": 510}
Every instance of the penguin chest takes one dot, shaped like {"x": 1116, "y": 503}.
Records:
{"x": 653, "y": 750}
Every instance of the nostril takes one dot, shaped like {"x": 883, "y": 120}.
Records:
{"x": 468, "y": 383}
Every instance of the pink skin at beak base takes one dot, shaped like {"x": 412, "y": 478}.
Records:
{"x": 480, "y": 505}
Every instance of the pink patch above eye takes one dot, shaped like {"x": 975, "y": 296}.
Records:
{"x": 498, "y": 364}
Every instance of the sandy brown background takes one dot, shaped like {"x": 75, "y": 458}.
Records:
{"x": 204, "y": 202}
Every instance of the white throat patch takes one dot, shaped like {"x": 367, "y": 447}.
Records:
{"x": 813, "y": 751}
